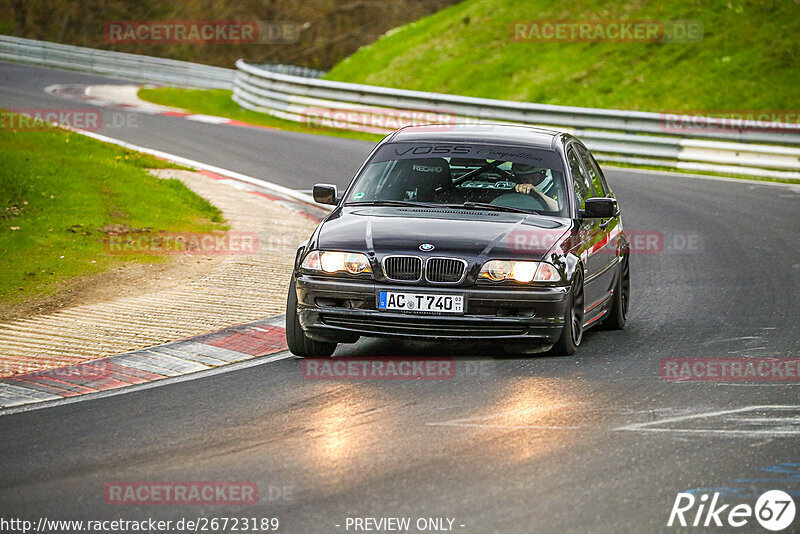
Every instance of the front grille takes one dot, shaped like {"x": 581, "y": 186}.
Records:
{"x": 402, "y": 268}
{"x": 445, "y": 270}
{"x": 425, "y": 327}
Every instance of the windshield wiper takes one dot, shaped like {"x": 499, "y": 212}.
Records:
{"x": 411, "y": 203}
{"x": 483, "y": 205}
{"x": 394, "y": 203}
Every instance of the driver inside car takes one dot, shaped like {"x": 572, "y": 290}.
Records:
{"x": 534, "y": 181}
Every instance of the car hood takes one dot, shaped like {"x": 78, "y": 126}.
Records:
{"x": 452, "y": 232}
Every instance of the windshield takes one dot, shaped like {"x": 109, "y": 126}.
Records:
{"x": 506, "y": 177}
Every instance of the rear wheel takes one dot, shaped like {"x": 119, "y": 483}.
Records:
{"x": 618, "y": 314}
{"x": 297, "y": 340}
{"x": 572, "y": 333}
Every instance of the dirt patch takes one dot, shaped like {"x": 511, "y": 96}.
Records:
{"x": 128, "y": 280}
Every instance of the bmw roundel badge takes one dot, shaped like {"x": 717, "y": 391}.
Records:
{"x": 426, "y": 247}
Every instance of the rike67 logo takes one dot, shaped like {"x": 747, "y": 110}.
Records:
{"x": 774, "y": 510}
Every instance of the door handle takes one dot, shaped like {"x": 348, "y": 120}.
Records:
{"x": 605, "y": 223}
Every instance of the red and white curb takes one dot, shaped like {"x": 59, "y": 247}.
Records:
{"x": 129, "y": 102}
{"x": 308, "y": 210}
{"x": 254, "y": 343}
{"x": 206, "y": 352}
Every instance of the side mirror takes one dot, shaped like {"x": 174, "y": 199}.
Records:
{"x": 326, "y": 194}
{"x": 599, "y": 208}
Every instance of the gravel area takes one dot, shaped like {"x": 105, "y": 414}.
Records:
{"x": 227, "y": 290}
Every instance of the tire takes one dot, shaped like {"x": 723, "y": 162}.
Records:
{"x": 618, "y": 314}
{"x": 572, "y": 333}
{"x": 300, "y": 344}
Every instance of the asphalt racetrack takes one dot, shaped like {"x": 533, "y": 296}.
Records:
{"x": 596, "y": 442}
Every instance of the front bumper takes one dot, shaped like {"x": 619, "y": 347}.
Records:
{"x": 341, "y": 310}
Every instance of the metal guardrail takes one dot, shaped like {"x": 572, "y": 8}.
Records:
{"x": 138, "y": 68}
{"x": 297, "y": 93}
{"x": 635, "y": 137}
{"x": 293, "y": 70}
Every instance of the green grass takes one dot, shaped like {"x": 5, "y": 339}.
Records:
{"x": 749, "y": 58}
{"x": 218, "y": 102}
{"x": 57, "y": 189}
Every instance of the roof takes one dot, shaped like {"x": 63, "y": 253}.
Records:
{"x": 503, "y": 134}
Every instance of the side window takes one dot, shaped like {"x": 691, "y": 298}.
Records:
{"x": 583, "y": 188}
{"x": 595, "y": 174}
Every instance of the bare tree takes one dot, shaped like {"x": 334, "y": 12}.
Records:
{"x": 328, "y": 30}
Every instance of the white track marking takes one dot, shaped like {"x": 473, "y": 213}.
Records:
{"x": 679, "y": 418}
{"x": 795, "y": 419}
{"x": 650, "y": 426}
{"x": 210, "y": 119}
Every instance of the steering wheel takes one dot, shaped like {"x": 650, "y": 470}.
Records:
{"x": 520, "y": 200}
{"x": 494, "y": 166}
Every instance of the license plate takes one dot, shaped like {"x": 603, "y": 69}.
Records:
{"x": 420, "y": 302}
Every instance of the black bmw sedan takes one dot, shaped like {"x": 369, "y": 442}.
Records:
{"x": 491, "y": 232}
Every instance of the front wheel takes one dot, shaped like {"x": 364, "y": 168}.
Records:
{"x": 572, "y": 333}
{"x": 297, "y": 340}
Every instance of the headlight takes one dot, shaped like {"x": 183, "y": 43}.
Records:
{"x": 332, "y": 262}
{"x": 521, "y": 271}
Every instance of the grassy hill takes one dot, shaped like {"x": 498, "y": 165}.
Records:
{"x": 748, "y": 58}
{"x": 62, "y": 193}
